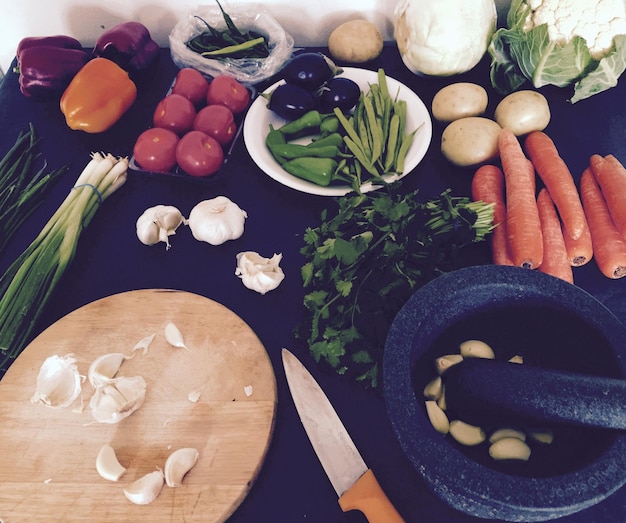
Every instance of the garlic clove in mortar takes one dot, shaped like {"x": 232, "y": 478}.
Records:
{"x": 158, "y": 223}
{"x": 258, "y": 273}
{"x": 58, "y": 382}
{"x": 118, "y": 399}
{"x": 146, "y": 489}
{"x": 107, "y": 464}
{"x": 178, "y": 464}
{"x": 217, "y": 220}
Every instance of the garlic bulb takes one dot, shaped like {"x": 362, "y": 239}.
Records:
{"x": 178, "y": 464}
{"x": 107, "y": 464}
{"x": 257, "y": 273}
{"x": 158, "y": 223}
{"x": 217, "y": 220}
{"x": 58, "y": 382}
{"x": 118, "y": 399}
{"x": 146, "y": 489}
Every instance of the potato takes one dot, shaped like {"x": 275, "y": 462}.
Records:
{"x": 523, "y": 112}
{"x": 459, "y": 100}
{"x": 356, "y": 41}
{"x": 470, "y": 141}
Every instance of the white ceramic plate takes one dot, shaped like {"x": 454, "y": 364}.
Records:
{"x": 259, "y": 118}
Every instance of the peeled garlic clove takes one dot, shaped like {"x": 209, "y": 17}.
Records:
{"x": 258, "y": 273}
{"x": 178, "y": 464}
{"x": 158, "y": 223}
{"x": 444, "y": 362}
{"x": 466, "y": 434}
{"x": 509, "y": 448}
{"x": 107, "y": 464}
{"x": 58, "y": 382}
{"x": 146, "y": 489}
{"x": 173, "y": 336}
{"x": 437, "y": 417}
{"x": 476, "y": 349}
{"x": 118, "y": 400}
{"x": 103, "y": 369}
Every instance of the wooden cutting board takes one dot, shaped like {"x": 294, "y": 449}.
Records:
{"x": 47, "y": 456}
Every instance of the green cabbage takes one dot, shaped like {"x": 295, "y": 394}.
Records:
{"x": 518, "y": 56}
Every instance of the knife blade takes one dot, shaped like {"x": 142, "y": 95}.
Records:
{"x": 355, "y": 483}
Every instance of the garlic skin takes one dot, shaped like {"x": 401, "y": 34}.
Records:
{"x": 58, "y": 382}
{"x": 258, "y": 273}
{"x": 146, "y": 489}
{"x": 178, "y": 464}
{"x": 217, "y": 220}
{"x": 118, "y": 399}
{"x": 107, "y": 464}
{"x": 158, "y": 223}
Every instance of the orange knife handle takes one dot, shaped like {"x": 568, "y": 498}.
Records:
{"x": 367, "y": 496}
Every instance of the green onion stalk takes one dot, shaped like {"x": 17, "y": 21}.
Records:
{"x": 31, "y": 279}
{"x": 22, "y": 188}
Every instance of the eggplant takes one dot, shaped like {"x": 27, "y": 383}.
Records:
{"x": 291, "y": 101}
{"x": 339, "y": 92}
{"x": 310, "y": 70}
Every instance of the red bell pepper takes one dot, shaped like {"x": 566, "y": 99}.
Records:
{"x": 47, "y": 64}
{"x": 129, "y": 45}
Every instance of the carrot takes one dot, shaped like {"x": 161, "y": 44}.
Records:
{"x": 522, "y": 217}
{"x": 579, "y": 251}
{"x": 611, "y": 177}
{"x": 488, "y": 186}
{"x": 609, "y": 246}
{"x": 555, "y": 261}
{"x": 557, "y": 177}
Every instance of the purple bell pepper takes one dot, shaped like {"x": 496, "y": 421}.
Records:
{"x": 129, "y": 45}
{"x": 47, "y": 64}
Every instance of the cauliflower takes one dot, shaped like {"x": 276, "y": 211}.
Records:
{"x": 560, "y": 42}
{"x": 597, "y": 22}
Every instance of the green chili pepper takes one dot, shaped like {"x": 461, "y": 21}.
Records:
{"x": 319, "y": 171}
{"x": 231, "y": 49}
{"x": 329, "y": 125}
{"x": 274, "y": 138}
{"x": 331, "y": 139}
{"x": 308, "y": 124}
{"x": 289, "y": 151}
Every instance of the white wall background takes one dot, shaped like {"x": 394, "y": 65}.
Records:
{"x": 309, "y": 22}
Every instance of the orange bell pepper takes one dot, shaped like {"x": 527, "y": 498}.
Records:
{"x": 98, "y": 96}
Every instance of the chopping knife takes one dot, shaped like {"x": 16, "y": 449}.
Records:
{"x": 354, "y": 482}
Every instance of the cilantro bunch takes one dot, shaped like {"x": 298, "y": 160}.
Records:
{"x": 364, "y": 261}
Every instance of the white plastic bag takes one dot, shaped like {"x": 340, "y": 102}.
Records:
{"x": 248, "y": 71}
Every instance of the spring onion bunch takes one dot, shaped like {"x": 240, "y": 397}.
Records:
{"x": 22, "y": 184}
{"x": 29, "y": 282}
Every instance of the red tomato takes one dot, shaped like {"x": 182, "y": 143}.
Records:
{"x": 192, "y": 85}
{"x": 216, "y": 121}
{"x": 227, "y": 91}
{"x": 174, "y": 112}
{"x": 198, "y": 154}
{"x": 155, "y": 150}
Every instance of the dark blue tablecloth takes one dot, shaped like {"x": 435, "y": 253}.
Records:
{"x": 292, "y": 486}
